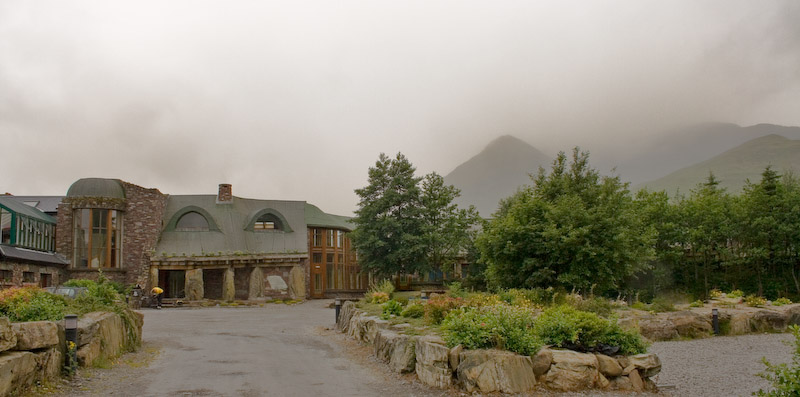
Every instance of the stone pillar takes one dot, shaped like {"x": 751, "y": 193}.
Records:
{"x": 153, "y": 277}
{"x": 194, "y": 284}
{"x": 228, "y": 286}
{"x": 256, "y": 284}
{"x": 297, "y": 283}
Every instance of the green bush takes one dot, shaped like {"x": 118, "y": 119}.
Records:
{"x": 755, "y": 301}
{"x": 456, "y": 290}
{"x": 697, "y": 303}
{"x": 600, "y": 306}
{"x": 391, "y": 308}
{"x": 413, "y": 310}
{"x": 565, "y": 326}
{"x": 662, "y": 305}
{"x": 737, "y": 293}
{"x": 385, "y": 286}
{"x": 31, "y": 304}
{"x": 781, "y": 302}
{"x": 516, "y": 297}
{"x": 500, "y": 326}
{"x": 437, "y": 308}
{"x": 785, "y": 379}
{"x": 377, "y": 297}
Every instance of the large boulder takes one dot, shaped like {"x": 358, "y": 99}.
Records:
{"x": 49, "y": 363}
{"x": 17, "y": 370}
{"x": 542, "y": 362}
{"x": 345, "y": 314}
{"x": 8, "y": 338}
{"x": 355, "y": 326}
{"x": 490, "y": 371}
{"x": 768, "y": 321}
{"x": 433, "y": 362}
{"x": 371, "y": 326}
{"x": 608, "y": 366}
{"x": 395, "y": 349}
{"x": 572, "y": 371}
{"x": 35, "y": 335}
{"x": 740, "y": 323}
{"x": 793, "y": 314}
{"x": 690, "y": 324}
{"x": 255, "y": 289}
{"x": 647, "y": 364}
{"x": 657, "y": 328}
{"x": 194, "y": 284}
{"x": 105, "y": 334}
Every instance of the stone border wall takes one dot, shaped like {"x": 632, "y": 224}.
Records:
{"x": 35, "y": 351}
{"x": 492, "y": 370}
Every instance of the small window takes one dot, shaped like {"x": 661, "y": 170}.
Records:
{"x": 6, "y": 276}
{"x": 28, "y": 277}
{"x": 268, "y": 222}
{"x": 330, "y": 258}
{"x": 316, "y": 257}
{"x": 192, "y": 222}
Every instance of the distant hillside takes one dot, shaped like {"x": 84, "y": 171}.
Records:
{"x": 496, "y": 173}
{"x": 680, "y": 148}
{"x": 735, "y": 166}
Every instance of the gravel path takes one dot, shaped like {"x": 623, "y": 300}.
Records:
{"x": 719, "y": 366}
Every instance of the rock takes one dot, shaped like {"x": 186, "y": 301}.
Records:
{"x": 395, "y": 349}
{"x": 647, "y": 364}
{"x": 194, "y": 284}
{"x": 49, "y": 363}
{"x": 602, "y": 382}
{"x": 297, "y": 283}
{"x": 255, "y": 289}
{"x": 8, "y": 338}
{"x": 740, "y": 324}
{"x": 355, "y": 326}
{"x": 17, "y": 370}
{"x": 35, "y": 335}
{"x": 650, "y": 386}
{"x": 277, "y": 283}
{"x": 433, "y": 362}
{"x": 621, "y": 383}
{"x": 371, "y": 326}
{"x": 542, "y": 361}
{"x": 104, "y": 334}
{"x": 793, "y": 314}
{"x": 89, "y": 352}
{"x": 636, "y": 381}
{"x": 492, "y": 370}
{"x": 454, "y": 356}
{"x": 657, "y": 328}
{"x": 572, "y": 371}
{"x": 768, "y": 321}
{"x": 690, "y": 324}
{"x": 608, "y": 366}
{"x": 345, "y": 314}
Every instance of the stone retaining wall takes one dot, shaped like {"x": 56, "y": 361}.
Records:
{"x": 492, "y": 370}
{"x": 35, "y": 351}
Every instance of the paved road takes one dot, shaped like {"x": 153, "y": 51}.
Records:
{"x": 275, "y": 350}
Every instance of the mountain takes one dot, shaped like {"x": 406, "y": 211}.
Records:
{"x": 496, "y": 173}
{"x": 735, "y": 166}
{"x": 680, "y": 148}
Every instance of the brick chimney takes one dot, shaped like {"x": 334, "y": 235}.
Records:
{"x": 225, "y": 195}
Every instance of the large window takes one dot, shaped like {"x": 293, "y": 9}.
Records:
{"x": 98, "y": 238}
{"x": 317, "y": 239}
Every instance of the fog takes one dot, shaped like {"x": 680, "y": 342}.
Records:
{"x": 295, "y": 100}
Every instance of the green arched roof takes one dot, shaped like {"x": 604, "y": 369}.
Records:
{"x": 316, "y": 218}
{"x": 96, "y": 187}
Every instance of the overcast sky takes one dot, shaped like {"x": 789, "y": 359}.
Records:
{"x": 296, "y": 99}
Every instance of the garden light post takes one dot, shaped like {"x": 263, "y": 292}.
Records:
{"x": 71, "y": 335}
{"x": 715, "y": 320}
{"x": 338, "y": 305}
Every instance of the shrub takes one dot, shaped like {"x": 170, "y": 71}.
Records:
{"x": 737, "y": 293}
{"x": 480, "y": 300}
{"x": 456, "y": 290}
{"x": 715, "y": 294}
{"x": 697, "y": 303}
{"x": 639, "y": 306}
{"x": 391, "y": 308}
{"x": 437, "y": 308}
{"x": 500, "y": 326}
{"x": 385, "y": 286}
{"x": 31, "y": 304}
{"x": 781, "y": 302}
{"x": 377, "y": 297}
{"x": 785, "y": 379}
{"x": 662, "y": 305}
{"x": 755, "y": 301}
{"x": 413, "y": 310}
{"x": 600, "y": 306}
{"x": 516, "y": 297}
{"x": 565, "y": 326}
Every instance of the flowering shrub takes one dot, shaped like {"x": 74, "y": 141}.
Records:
{"x": 31, "y": 304}
{"x": 781, "y": 302}
{"x": 715, "y": 294}
{"x": 755, "y": 301}
{"x": 437, "y": 308}
{"x": 481, "y": 300}
{"x": 377, "y": 297}
{"x": 499, "y": 326}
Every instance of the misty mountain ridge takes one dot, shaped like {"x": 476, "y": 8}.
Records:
{"x": 496, "y": 173}
{"x": 734, "y": 167}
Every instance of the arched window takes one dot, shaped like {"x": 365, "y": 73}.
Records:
{"x": 192, "y": 222}
{"x": 268, "y": 222}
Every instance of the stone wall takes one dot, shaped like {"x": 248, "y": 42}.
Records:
{"x": 142, "y": 224}
{"x": 57, "y": 273}
{"x": 35, "y": 351}
{"x": 492, "y": 370}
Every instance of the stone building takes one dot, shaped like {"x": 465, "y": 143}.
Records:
{"x": 27, "y": 248}
{"x": 205, "y": 246}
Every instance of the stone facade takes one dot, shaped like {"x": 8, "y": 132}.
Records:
{"x": 31, "y": 274}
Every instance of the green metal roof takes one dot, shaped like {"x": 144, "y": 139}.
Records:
{"x": 96, "y": 187}
{"x": 13, "y": 205}
{"x": 316, "y": 218}
{"x": 231, "y": 231}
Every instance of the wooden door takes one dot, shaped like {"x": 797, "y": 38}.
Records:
{"x": 317, "y": 280}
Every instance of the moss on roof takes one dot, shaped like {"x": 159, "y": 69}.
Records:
{"x": 96, "y": 187}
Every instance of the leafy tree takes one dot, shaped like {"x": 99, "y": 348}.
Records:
{"x": 389, "y": 226}
{"x": 656, "y": 210}
{"x": 572, "y": 228}
{"x": 447, "y": 228}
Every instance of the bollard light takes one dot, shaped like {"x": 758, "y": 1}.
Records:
{"x": 338, "y": 305}
{"x": 71, "y": 327}
{"x": 715, "y": 320}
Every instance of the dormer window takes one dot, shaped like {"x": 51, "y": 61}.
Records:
{"x": 192, "y": 222}
{"x": 267, "y": 222}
